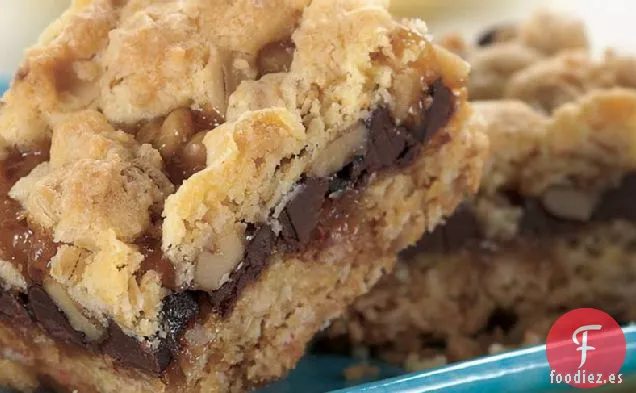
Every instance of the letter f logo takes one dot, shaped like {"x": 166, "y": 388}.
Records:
{"x": 584, "y": 347}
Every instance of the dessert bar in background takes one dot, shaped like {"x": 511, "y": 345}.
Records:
{"x": 191, "y": 189}
{"x": 553, "y": 226}
{"x": 545, "y": 61}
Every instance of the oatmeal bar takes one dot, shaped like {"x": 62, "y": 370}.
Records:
{"x": 192, "y": 189}
{"x": 552, "y": 228}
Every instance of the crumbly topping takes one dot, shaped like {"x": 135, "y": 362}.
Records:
{"x": 551, "y": 33}
{"x": 97, "y": 179}
{"x": 516, "y": 132}
{"x": 550, "y": 83}
{"x": 139, "y": 60}
{"x": 595, "y": 128}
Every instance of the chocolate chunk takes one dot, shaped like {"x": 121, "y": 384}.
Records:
{"x": 619, "y": 203}
{"x": 178, "y": 310}
{"x": 386, "y": 143}
{"x": 300, "y": 216}
{"x": 389, "y": 145}
{"x": 488, "y": 37}
{"x": 535, "y": 220}
{"x": 458, "y": 230}
{"x": 135, "y": 353}
{"x": 438, "y": 113}
{"x": 52, "y": 318}
{"x": 13, "y": 309}
{"x": 257, "y": 253}
{"x": 408, "y": 156}
{"x": 432, "y": 242}
{"x": 496, "y": 34}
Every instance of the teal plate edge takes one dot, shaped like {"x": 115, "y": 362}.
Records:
{"x": 525, "y": 370}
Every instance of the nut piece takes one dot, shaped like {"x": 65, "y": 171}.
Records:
{"x": 340, "y": 151}
{"x": 149, "y": 132}
{"x": 170, "y": 135}
{"x": 214, "y": 267}
{"x": 194, "y": 154}
{"x": 67, "y": 305}
{"x": 176, "y": 130}
{"x": 569, "y": 203}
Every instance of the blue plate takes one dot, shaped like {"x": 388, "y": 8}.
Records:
{"x": 525, "y": 370}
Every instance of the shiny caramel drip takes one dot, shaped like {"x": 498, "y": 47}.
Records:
{"x": 275, "y": 57}
{"x": 155, "y": 260}
{"x": 29, "y": 249}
